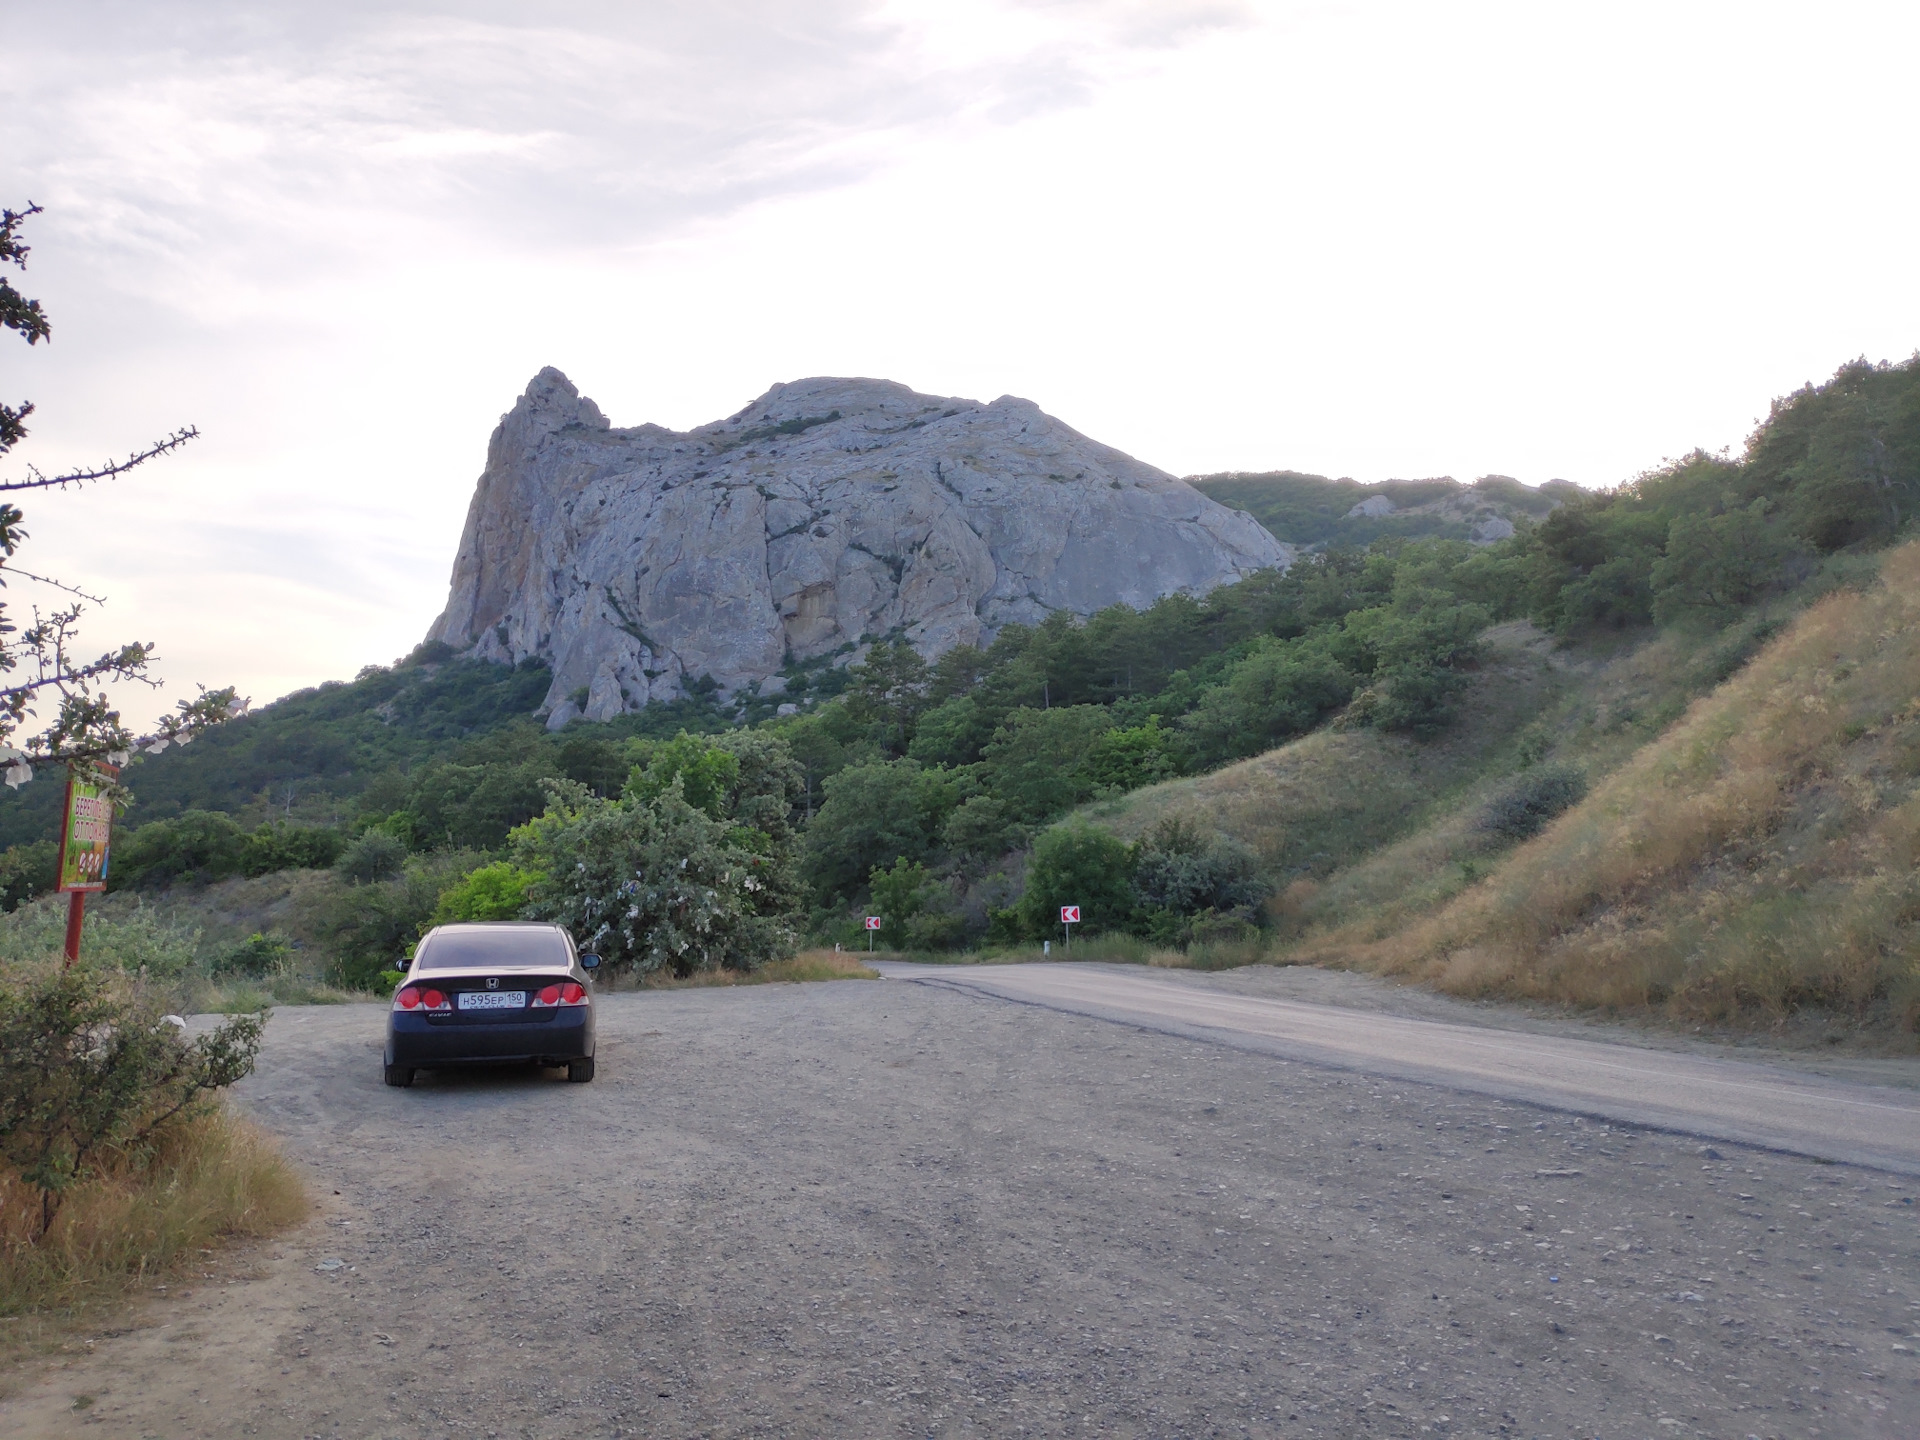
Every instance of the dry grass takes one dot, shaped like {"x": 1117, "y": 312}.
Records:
{"x": 807, "y": 965}
{"x": 1110, "y": 949}
{"x": 815, "y": 965}
{"x": 210, "y": 1178}
{"x": 1755, "y": 860}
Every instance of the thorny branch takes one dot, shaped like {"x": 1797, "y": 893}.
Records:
{"x": 49, "y": 580}
{"x": 106, "y": 470}
{"x": 85, "y": 731}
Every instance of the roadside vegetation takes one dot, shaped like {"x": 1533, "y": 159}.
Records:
{"x": 1336, "y": 764}
{"x": 115, "y": 1159}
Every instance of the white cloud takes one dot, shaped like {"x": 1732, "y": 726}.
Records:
{"x": 1372, "y": 239}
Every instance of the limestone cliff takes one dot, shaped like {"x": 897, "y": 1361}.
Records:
{"x": 826, "y": 514}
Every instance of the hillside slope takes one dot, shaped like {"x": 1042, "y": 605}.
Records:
{"x": 1756, "y": 859}
{"x": 304, "y": 754}
{"x": 1324, "y": 801}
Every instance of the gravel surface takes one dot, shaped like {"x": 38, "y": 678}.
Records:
{"x": 883, "y": 1209}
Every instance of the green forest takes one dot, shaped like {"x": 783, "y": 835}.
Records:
{"x": 961, "y": 799}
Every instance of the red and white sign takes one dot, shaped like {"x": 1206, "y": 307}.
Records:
{"x": 1069, "y": 914}
{"x": 873, "y": 922}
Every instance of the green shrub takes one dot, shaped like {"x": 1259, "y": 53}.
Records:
{"x": 197, "y": 847}
{"x": 1126, "y": 759}
{"x": 659, "y": 887}
{"x": 371, "y": 927}
{"x": 982, "y": 828}
{"x": 872, "y": 815}
{"x": 1182, "y": 870}
{"x": 917, "y": 910}
{"x": 1037, "y": 762}
{"x": 1281, "y": 690}
{"x": 28, "y": 872}
{"x": 89, "y": 1065}
{"x": 706, "y": 773}
{"x": 281, "y": 845}
{"x": 1077, "y": 865}
{"x": 256, "y": 957}
{"x": 1524, "y": 807}
{"x": 375, "y": 856}
{"x": 493, "y": 892}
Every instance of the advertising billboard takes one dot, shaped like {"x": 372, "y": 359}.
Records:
{"x": 84, "y": 836}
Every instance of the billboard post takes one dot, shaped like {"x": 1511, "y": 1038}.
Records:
{"x": 86, "y": 827}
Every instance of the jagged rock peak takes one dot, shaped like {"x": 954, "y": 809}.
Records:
{"x": 826, "y": 514}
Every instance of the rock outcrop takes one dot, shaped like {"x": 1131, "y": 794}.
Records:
{"x": 827, "y": 514}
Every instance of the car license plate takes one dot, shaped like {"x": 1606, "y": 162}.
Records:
{"x": 493, "y": 999}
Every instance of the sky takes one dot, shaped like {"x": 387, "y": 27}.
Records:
{"x": 1372, "y": 239}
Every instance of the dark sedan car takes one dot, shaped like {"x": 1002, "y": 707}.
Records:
{"x": 497, "y": 992}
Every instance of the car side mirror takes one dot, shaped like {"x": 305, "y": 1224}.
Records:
{"x": 589, "y": 962}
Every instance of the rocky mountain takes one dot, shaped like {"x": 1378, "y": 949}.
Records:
{"x": 825, "y": 515}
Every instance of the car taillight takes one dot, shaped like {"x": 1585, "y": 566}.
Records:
{"x": 412, "y": 997}
{"x": 407, "y": 999}
{"x": 570, "y": 992}
{"x": 434, "y": 1000}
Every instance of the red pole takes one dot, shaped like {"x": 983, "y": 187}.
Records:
{"x": 76, "y": 911}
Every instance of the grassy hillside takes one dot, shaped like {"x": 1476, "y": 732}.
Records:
{"x": 1755, "y": 860}
{"x": 303, "y": 755}
{"x": 1318, "y": 804}
{"x": 1613, "y": 694}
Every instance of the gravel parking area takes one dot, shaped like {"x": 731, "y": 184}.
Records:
{"x": 886, "y": 1209}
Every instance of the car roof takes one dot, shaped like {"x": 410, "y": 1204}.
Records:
{"x": 499, "y": 925}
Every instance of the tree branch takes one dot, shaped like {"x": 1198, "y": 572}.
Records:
{"x": 105, "y": 471}
{"x": 49, "y": 580}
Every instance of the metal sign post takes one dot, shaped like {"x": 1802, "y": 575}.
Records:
{"x": 85, "y": 830}
{"x": 873, "y": 924}
{"x": 1069, "y": 917}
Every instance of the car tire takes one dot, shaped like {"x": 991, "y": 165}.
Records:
{"x": 579, "y": 1072}
{"x": 399, "y": 1075}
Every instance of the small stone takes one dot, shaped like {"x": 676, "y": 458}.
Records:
{"x": 329, "y": 1265}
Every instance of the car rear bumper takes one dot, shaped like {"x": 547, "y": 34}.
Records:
{"x": 416, "y": 1040}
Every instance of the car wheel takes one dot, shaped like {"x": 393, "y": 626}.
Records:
{"x": 401, "y": 1075}
{"x": 579, "y": 1072}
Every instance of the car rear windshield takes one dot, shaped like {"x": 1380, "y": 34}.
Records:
{"x": 478, "y": 949}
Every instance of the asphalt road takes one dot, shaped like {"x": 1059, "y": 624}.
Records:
{"x": 1737, "y": 1099}
{"x": 901, "y": 1209}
